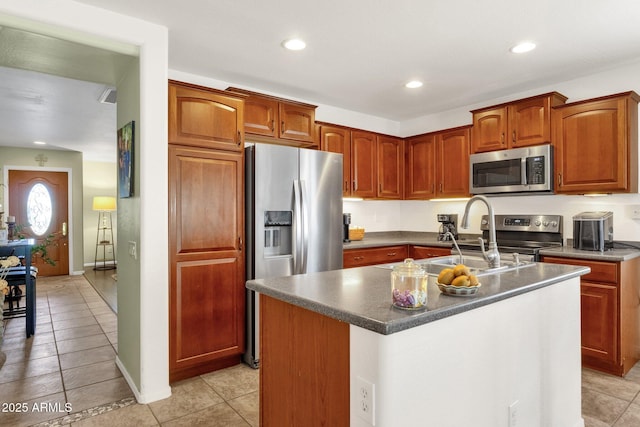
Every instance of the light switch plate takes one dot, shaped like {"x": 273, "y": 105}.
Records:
{"x": 133, "y": 250}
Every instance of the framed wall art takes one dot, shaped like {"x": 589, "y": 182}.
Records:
{"x": 126, "y": 150}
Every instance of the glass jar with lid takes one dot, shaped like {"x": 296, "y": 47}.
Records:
{"x": 409, "y": 285}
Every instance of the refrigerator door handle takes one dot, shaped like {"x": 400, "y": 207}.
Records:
{"x": 298, "y": 223}
{"x": 304, "y": 205}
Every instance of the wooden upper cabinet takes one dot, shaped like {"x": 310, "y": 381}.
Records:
{"x": 260, "y": 116}
{"x": 277, "y": 120}
{"x": 596, "y": 145}
{"x": 204, "y": 117}
{"x": 363, "y": 164}
{"x": 337, "y": 139}
{"x": 438, "y": 164}
{"x": 390, "y": 167}
{"x": 297, "y": 122}
{"x": 517, "y": 124}
{"x": 420, "y": 181}
{"x": 452, "y": 158}
{"x": 489, "y": 130}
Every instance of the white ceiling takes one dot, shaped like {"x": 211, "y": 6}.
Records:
{"x": 361, "y": 52}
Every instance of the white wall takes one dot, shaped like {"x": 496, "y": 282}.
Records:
{"x": 99, "y": 179}
{"x": 421, "y": 215}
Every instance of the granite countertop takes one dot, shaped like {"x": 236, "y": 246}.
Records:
{"x": 621, "y": 251}
{"x": 618, "y": 253}
{"x": 391, "y": 238}
{"x": 362, "y": 296}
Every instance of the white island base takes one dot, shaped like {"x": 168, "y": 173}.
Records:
{"x": 518, "y": 358}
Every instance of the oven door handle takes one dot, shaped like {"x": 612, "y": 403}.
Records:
{"x": 524, "y": 170}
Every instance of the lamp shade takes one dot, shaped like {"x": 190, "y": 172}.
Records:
{"x": 104, "y": 203}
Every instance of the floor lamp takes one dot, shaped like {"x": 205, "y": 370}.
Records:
{"x": 104, "y": 237}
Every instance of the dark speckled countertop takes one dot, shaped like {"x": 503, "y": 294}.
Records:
{"x": 362, "y": 296}
{"x": 622, "y": 251}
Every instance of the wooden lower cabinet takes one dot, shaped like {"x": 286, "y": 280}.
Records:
{"x": 610, "y": 313}
{"x": 304, "y": 372}
{"x": 422, "y": 252}
{"x": 207, "y": 294}
{"x": 372, "y": 256}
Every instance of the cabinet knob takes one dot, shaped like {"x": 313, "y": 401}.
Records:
{"x": 513, "y": 136}
{"x": 502, "y": 138}
{"x": 282, "y": 126}
{"x": 273, "y": 125}
{"x": 239, "y": 138}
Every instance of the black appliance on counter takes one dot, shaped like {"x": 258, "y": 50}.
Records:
{"x": 448, "y": 223}
{"x": 593, "y": 231}
{"x": 520, "y": 234}
{"x": 346, "y": 222}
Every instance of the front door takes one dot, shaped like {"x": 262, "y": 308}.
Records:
{"x": 39, "y": 202}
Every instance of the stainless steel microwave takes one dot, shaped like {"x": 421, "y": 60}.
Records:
{"x": 518, "y": 170}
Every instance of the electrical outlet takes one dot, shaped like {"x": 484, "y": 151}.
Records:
{"x": 133, "y": 250}
{"x": 513, "y": 414}
{"x": 634, "y": 211}
{"x": 365, "y": 400}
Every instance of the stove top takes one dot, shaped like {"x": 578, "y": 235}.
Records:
{"x": 524, "y": 234}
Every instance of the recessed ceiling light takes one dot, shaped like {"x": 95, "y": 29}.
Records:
{"x": 294, "y": 44}
{"x": 39, "y": 142}
{"x": 413, "y": 84}
{"x": 523, "y": 47}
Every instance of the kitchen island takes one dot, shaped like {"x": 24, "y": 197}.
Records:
{"x": 511, "y": 350}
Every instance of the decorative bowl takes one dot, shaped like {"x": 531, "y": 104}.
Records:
{"x": 458, "y": 290}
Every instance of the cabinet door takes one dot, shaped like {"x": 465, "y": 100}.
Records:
{"x": 489, "y": 130}
{"x": 422, "y": 252}
{"x": 338, "y": 140}
{"x": 390, "y": 167}
{"x": 594, "y": 150}
{"x": 420, "y": 180}
{"x": 363, "y": 164}
{"x": 203, "y": 118}
{"x": 530, "y": 122}
{"x": 373, "y": 256}
{"x": 207, "y": 294}
{"x": 260, "y": 116}
{"x": 297, "y": 122}
{"x": 599, "y": 321}
{"x": 453, "y": 163}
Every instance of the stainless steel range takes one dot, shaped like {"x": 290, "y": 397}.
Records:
{"x": 520, "y": 234}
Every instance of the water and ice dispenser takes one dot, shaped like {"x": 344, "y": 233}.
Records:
{"x": 277, "y": 233}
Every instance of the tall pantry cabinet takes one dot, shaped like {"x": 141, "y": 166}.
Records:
{"x": 206, "y": 230}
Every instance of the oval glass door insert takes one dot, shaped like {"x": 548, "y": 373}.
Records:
{"x": 39, "y": 209}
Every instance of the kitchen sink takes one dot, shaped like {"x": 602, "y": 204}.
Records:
{"x": 477, "y": 265}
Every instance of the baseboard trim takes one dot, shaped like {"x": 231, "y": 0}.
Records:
{"x": 143, "y": 398}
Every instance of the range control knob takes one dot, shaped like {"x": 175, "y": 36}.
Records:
{"x": 485, "y": 222}
{"x": 554, "y": 224}
{"x": 545, "y": 223}
{"x": 537, "y": 223}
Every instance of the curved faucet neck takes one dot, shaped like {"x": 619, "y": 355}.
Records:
{"x": 492, "y": 255}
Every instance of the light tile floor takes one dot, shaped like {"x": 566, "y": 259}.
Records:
{"x": 66, "y": 373}
{"x": 71, "y": 360}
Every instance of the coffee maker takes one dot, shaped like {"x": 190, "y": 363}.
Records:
{"x": 346, "y": 221}
{"x": 448, "y": 223}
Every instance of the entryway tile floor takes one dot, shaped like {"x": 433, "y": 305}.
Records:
{"x": 71, "y": 361}
{"x": 66, "y": 373}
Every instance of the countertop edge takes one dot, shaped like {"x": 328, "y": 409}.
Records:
{"x": 398, "y": 325}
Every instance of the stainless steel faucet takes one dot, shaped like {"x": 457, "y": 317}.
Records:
{"x": 448, "y": 233}
{"x": 491, "y": 255}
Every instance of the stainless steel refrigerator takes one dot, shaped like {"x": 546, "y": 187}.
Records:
{"x": 294, "y": 219}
